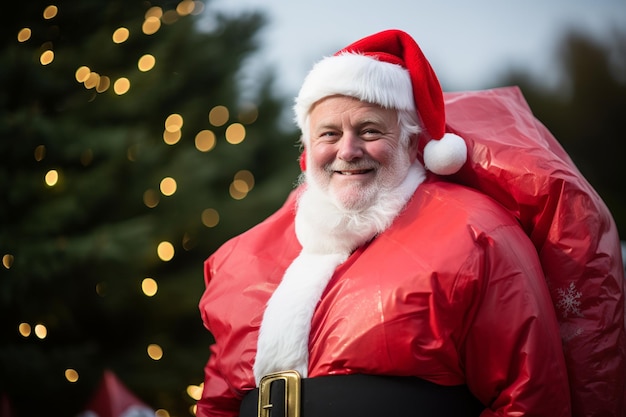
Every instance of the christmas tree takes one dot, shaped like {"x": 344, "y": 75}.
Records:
{"x": 128, "y": 155}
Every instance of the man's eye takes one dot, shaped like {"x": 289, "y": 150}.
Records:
{"x": 329, "y": 134}
{"x": 370, "y": 134}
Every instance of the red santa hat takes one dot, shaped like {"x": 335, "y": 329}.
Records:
{"x": 388, "y": 69}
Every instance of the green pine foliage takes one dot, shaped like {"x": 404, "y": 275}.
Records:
{"x": 75, "y": 253}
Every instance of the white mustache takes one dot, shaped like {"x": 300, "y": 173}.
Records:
{"x": 351, "y": 166}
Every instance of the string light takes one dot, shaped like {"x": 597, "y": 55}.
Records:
{"x": 121, "y": 86}
{"x": 151, "y": 198}
{"x": 103, "y": 84}
{"x": 146, "y": 62}
{"x": 218, "y": 116}
{"x": 185, "y": 7}
{"x": 154, "y": 11}
{"x": 149, "y": 287}
{"x": 151, "y": 25}
{"x": 40, "y": 153}
{"x": 165, "y": 251}
{"x": 50, "y": 12}
{"x": 41, "y": 331}
{"x": 24, "y": 34}
{"x": 52, "y": 178}
{"x": 71, "y": 375}
{"x": 168, "y": 186}
{"x": 120, "y": 35}
{"x": 235, "y": 133}
{"x": 46, "y": 57}
{"x": 170, "y": 17}
{"x": 7, "y": 260}
{"x": 155, "y": 351}
{"x": 172, "y": 138}
{"x": 24, "y": 329}
{"x": 210, "y": 217}
{"x": 173, "y": 122}
{"x": 205, "y": 140}
{"x": 195, "y": 391}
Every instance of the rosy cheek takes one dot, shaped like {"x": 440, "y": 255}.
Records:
{"x": 322, "y": 154}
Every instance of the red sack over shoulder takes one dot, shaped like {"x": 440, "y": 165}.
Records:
{"x": 514, "y": 159}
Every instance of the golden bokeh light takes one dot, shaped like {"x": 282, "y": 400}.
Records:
{"x": 52, "y": 178}
{"x": 195, "y": 391}
{"x": 101, "y": 289}
{"x": 103, "y": 84}
{"x": 71, "y": 375}
{"x": 154, "y": 11}
{"x": 172, "y": 138}
{"x": 165, "y": 251}
{"x": 205, "y": 140}
{"x": 173, "y": 122}
{"x": 92, "y": 81}
{"x": 155, "y": 352}
{"x": 46, "y": 57}
{"x": 218, "y": 116}
{"x": 121, "y": 86}
{"x": 24, "y": 34}
{"x": 24, "y": 329}
{"x": 149, "y": 287}
{"x": 40, "y": 153}
{"x": 50, "y": 12}
{"x": 146, "y": 62}
{"x": 151, "y": 25}
{"x": 241, "y": 186}
{"x": 151, "y": 198}
{"x": 7, "y": 260}
{"x": 185, "y": 7}
{"x": 247, "y": 177}
{"x": 235, "y": 133}
{"x": 161, "y": 413}
{"x": 41, "y": 331}
{"x": 235, "y": 193}
{"x": 120, "y": 35}
{"x": 210, "y": 217}
{"x": 82, "y": 73}
{"x": 168, "y": 186}
{"x": 170, "y": 17}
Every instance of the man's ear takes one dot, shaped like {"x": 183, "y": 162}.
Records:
{"x": 413, "y": 147}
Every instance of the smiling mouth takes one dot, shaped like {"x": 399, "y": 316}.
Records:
{"x": 354, "y": 172}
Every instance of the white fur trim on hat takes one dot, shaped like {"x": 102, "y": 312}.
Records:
{"x": 358, "y": 76}
{"x": 446, "y": 155}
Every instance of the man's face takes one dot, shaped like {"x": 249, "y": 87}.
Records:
{"x": 354, "y": 150}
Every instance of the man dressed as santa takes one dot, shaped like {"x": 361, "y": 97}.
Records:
{"x": 381, "y": 287}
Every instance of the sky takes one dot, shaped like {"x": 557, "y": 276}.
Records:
{"x": 468, "y": 42}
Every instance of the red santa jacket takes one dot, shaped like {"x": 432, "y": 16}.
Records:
{"x": 452, "y": 292}
{"x": 515, "y": 160}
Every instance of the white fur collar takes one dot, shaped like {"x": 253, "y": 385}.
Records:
{"x": 328, "y": 236}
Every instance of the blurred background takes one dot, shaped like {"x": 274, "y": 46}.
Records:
{"x": 138, "y": 136}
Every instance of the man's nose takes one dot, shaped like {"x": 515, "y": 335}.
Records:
{"x": 350, "y": 147}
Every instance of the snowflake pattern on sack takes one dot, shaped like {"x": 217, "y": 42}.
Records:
{"x": 569, "y": 301}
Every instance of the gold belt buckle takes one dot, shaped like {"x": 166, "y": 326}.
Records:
{"x": 292, "y": 393}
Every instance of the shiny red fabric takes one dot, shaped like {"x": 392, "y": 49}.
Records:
{"x": 516, "y": 160}
{"x": 453, "y": 291}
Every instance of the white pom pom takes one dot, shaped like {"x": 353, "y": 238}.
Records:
{"x": 446, "y": 155}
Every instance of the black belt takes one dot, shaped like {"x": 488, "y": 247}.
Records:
{"x": 285, "y": 394}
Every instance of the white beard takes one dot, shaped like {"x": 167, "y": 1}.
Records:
{"x": 328, "y": 235}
